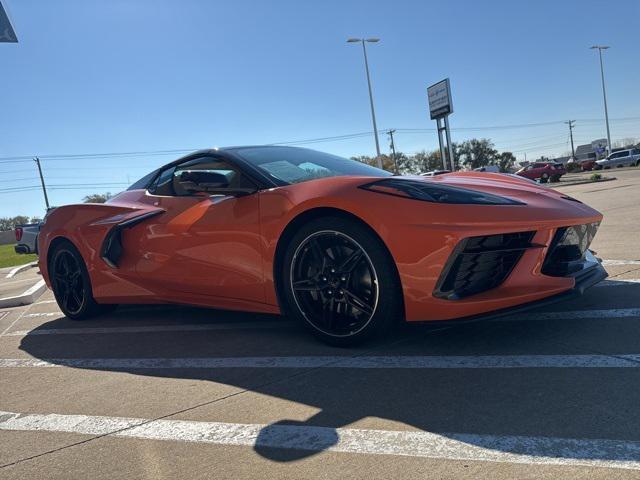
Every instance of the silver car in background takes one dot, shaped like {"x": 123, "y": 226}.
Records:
{"x": 622, "y": 158}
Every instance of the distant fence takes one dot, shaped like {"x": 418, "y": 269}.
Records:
{"x": 7, "y": 237}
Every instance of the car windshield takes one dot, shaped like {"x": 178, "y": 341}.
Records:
{"x": 289, "y": 165}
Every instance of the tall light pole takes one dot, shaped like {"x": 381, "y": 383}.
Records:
{"x": 373, "y": 112}
{"x": 604, "y": 94}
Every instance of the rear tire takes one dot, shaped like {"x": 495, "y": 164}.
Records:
{"x": 71, "y": 284}
{"x": 340, "y": 281}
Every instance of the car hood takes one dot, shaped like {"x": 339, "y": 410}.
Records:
{"x": 505, "y": 185}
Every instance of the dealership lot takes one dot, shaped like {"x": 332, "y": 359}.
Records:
{"x": 165, "y": 392}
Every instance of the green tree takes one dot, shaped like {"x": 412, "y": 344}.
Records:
{"x": 506, "y": 161}
{"x": 429, "y": 161}
{"x": 476, "y": 153}
{"x": 9, "y": 223}
{"x": 97, "y": 198}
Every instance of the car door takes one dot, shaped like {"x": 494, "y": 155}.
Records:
{"x": 202, "y": 244}
{"x": 623, "y": 159}
{"x": 612, "y": 160}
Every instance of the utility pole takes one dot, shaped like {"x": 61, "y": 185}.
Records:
{"x": 571, "y": 123}
{"x": 44, "y": 188}
{"x": 604, "y": 94}
{"x": 393, "y": 149}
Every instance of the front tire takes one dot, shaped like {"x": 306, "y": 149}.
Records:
{"x": 339, "y": 280}
{"x": 71, "y": 284}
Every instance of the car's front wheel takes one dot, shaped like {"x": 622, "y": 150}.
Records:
{"x": 340, "y": 281}
{"x": 71, "y": 284}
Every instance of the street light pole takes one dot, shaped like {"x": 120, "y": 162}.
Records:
{"x": 373, "y": 112}
{"x": 604, "y": 93}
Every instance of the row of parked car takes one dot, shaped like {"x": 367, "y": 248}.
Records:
{"x": 552, "y": 171}
{"x": 628, "y": 157}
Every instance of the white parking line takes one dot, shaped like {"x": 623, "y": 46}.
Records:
{"x": 572, "y": 315}
{"x": 454, "y": 446}
{"x": 151, "y": 329}
{"x": 620, "y": 262}
{"x": 622, "y": 282}
{"x": 43, "y": 314}
{"x": 566, "y": 315}
{"x": 364, "y": 362}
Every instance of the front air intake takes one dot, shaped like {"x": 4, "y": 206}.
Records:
{"x": 481, "y": 263}
{"x": 567, "y": 249}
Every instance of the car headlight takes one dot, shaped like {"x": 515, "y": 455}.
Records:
{"x": 435, "y": 192}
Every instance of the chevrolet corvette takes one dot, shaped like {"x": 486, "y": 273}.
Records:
{"x": 345, "y": 248}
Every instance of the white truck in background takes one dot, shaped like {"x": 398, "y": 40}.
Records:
{"x": 27, "y": 238}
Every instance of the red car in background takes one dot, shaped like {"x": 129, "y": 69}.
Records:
{"x": 587, "y": 161}
{"x": 544, "y": 171}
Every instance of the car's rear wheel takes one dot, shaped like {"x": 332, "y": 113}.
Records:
{"x": 340, "y": 281}
{"x": 71, "y": 284}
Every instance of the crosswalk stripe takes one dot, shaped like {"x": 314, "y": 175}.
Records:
{"x": 364, "y": 362}
{"x": 453, "y": 446}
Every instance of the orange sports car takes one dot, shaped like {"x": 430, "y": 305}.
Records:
{"x": 345, "y": 248}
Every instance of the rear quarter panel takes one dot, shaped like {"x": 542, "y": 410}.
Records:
{"x": 85, "y": 226}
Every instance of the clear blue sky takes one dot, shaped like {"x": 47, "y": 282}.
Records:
{"x": 92, "y": 76}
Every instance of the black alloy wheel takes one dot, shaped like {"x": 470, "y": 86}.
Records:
{"x": 68, "y": 282}
{"x": 71, "y": 283}
{"x": 341, "y": 282}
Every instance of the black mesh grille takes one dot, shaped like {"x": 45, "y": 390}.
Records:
{"x": 479, "y": 264}
{"x": 567, "y": 249}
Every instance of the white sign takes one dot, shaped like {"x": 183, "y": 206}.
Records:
{"x": 599, "y": 146}
{"x": 440, "y": 99}
{"x": 601, "y": 143}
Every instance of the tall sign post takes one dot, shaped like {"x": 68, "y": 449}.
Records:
{"x": 440, "y": 107}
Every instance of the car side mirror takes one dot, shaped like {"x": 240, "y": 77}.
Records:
{"x": 210, "y": 181}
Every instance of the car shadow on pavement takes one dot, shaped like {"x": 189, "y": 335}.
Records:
{"x": 578, "y": 403}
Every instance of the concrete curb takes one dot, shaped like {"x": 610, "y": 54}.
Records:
{"x": 27, "y": 298}
{"x": 21, "y": 268}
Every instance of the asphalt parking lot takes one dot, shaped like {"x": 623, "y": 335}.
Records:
{"x": 176, "y": 392}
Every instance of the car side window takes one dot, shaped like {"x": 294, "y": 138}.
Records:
{"x": 237, "y": 178}
{"x": 163, "y": 184}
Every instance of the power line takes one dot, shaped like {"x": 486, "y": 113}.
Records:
{"x": 79, "y": 156}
